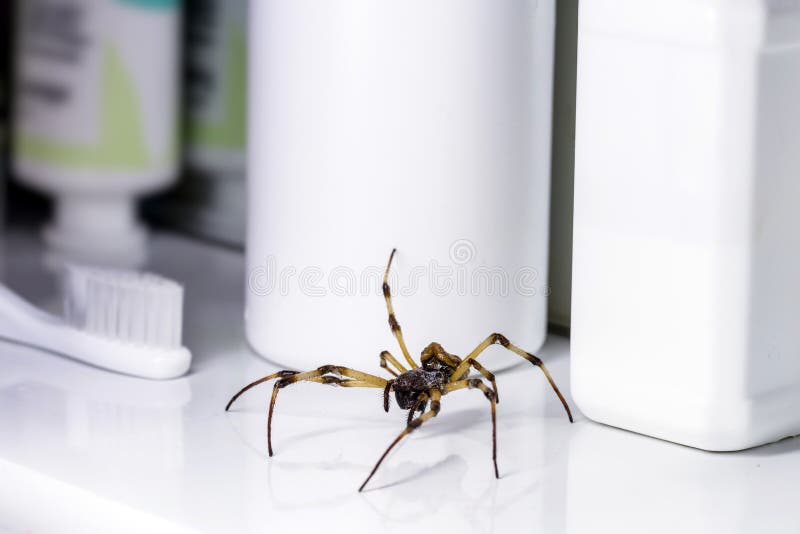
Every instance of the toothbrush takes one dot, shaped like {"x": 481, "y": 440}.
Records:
{"x": 124, "y": 321}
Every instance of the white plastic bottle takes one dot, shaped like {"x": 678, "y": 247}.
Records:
{"x": 401, "y": 123}
{"x": 686, "y": 299}
{"x": 96, "y": 116}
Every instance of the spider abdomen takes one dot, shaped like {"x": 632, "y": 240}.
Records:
{"x": 408, "y": 386}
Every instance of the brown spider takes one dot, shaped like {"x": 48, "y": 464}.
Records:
{"x": 440, "y": 373}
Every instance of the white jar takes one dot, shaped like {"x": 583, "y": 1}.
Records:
{"x": 401, "y": 123}
{"x": 686, "y": 299}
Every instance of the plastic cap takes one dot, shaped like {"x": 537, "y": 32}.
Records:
{"x": 101, "y": 230}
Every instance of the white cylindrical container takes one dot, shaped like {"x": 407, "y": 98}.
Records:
{"x": 401, "y": 123}
{"x": 96, "y": 115}
{"x": 685, "y": 292}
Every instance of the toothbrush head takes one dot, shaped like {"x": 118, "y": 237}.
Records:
{"x": 131, "y": 307}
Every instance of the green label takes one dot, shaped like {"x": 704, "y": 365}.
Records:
{"x": 231, "y": 131}
{"x": 152, "y": 4}
{"x": 120, "y": 141}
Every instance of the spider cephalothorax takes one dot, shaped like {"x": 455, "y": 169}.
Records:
{"x": 438, "y": 374}
{"x": 409, "y": 386}
{"x": 437, "y": 368}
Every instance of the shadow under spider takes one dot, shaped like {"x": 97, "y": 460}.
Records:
{"x": 318, "y": 432}
{"x": 421, "y": 474}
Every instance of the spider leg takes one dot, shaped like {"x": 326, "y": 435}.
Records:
{"x": 386, "y": 390}
{"x": 393, "y": 324}
{"x": 321, "y": 375}
{"x": 343, "y": 377}
{"x": 435, "y": 397}
{"x": 473, "y": 383}
{"x": 463, "y": 368}
{"x": 387, "y": 358}
{"x": 279, "y": 374}
{"x": 434, "y": 352}
{"x": 488, "y": 375}
{"x": 419, "y": 406}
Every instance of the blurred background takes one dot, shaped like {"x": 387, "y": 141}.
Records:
{"x": 207, "y": 197}
{"x": 203, "y": 195}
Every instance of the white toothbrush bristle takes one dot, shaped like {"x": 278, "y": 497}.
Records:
{"x": 131, "y": 307}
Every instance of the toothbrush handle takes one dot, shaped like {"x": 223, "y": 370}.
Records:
{"x": 22, "y": 322}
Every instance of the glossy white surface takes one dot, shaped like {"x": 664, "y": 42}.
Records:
{"x": 85, "y": 450}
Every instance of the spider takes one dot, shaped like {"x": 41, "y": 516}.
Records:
{"x": 414, "y": 386}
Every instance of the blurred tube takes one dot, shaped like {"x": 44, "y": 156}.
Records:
{"x": 96, "y": 116}
{"x": 216, "y": 87}
{"x": 6, "y": 16}
{"x": 211, "y": 200}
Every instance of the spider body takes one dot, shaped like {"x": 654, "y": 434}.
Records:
{"x": 410, "y": 385}
{"x": 415, "y": 387}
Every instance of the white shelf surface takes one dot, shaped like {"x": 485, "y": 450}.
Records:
{"x": 85, "y": 450}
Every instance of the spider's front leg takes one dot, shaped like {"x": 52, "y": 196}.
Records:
{"x": 435, "y": 352}
{"x": 435, "y": 397}
{"x": 327, "y": 374}
{"x": 322, "y": 375}
{"x": 488, "y": 375}
{"x": 386, "y": 359}
{"x": 461, "y": 371}
{"x": 491, "y": 396}
{"x": 419, "y": 406}
{"x": 279, "y": 374}
{"x": 393, "y": 324}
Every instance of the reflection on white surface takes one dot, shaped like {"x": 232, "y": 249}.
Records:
{"x": 326, "y": 440}
{"x": 95, "y": 447}
{"x": 85, "y": 425}
{"x": 620, "y": 481}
